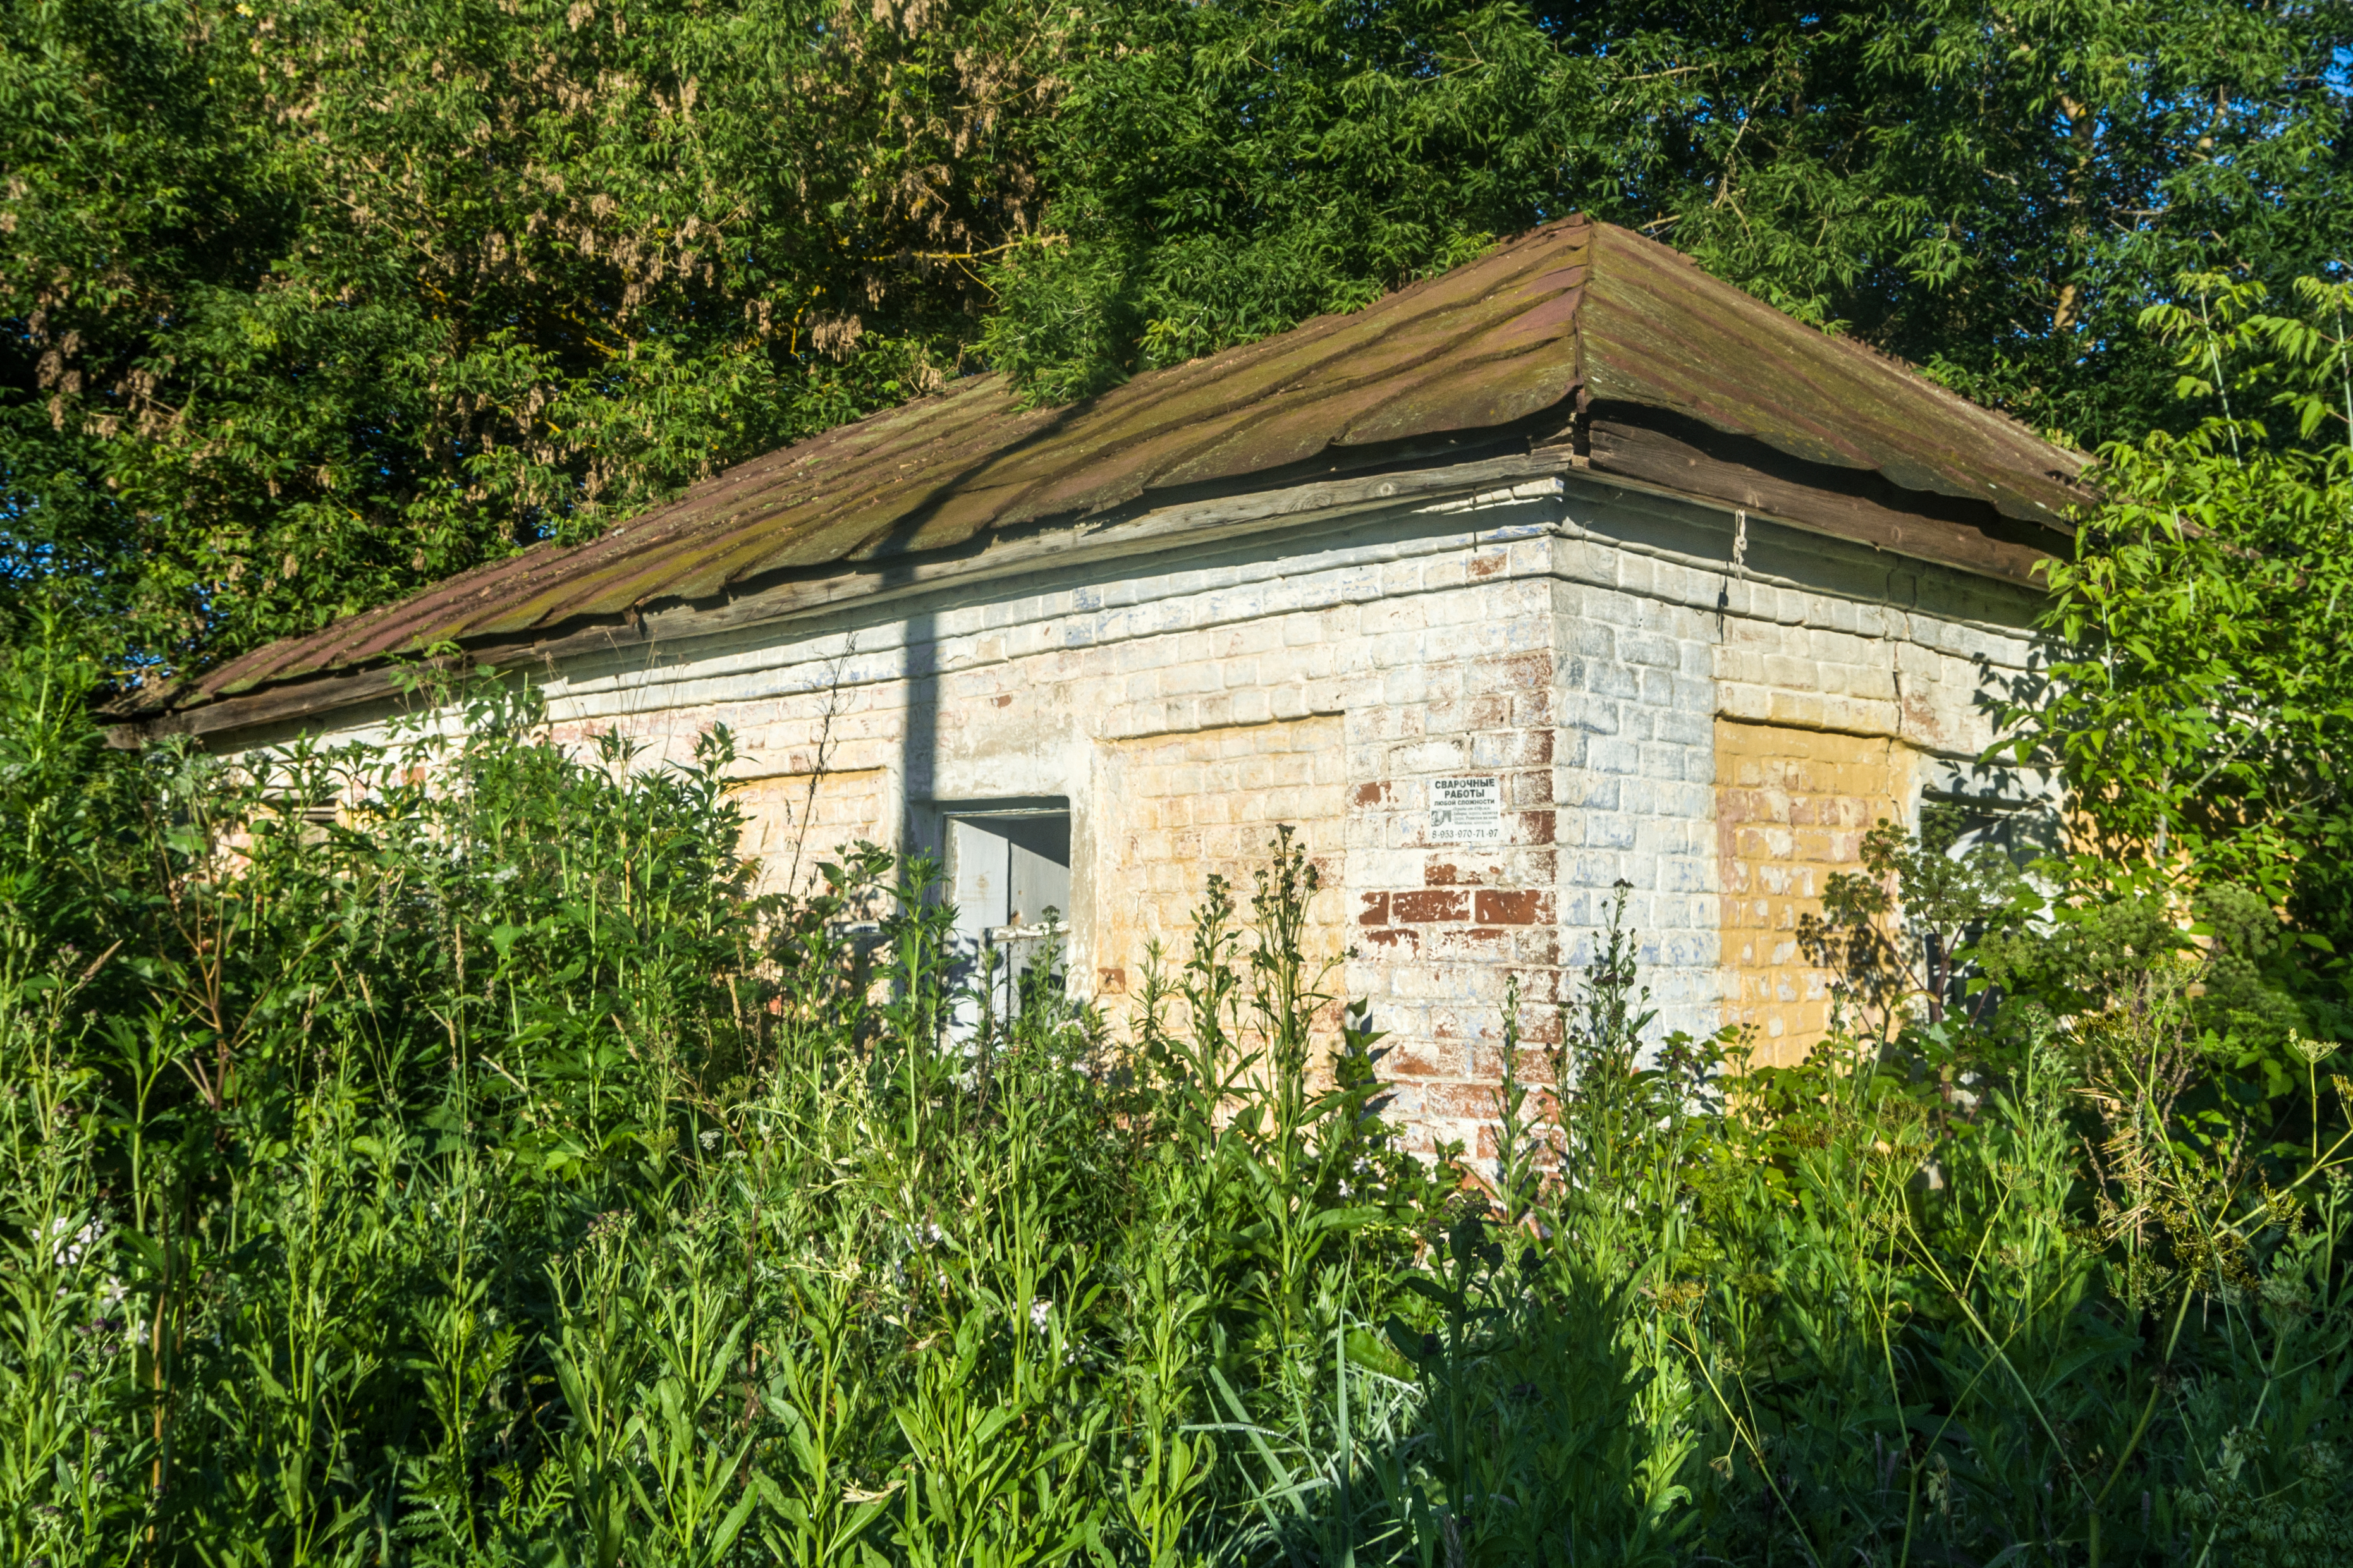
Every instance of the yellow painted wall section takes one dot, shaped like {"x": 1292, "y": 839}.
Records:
{"x": 1792, "y": 806}
{"x": 791, "y": 828}
{"x": 1177, "y": 809}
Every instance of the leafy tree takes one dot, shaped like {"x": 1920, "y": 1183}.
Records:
{"x": 310, "y": 302}
{"x": 1995, "y": 191}
{"x": 2199, "y": 694}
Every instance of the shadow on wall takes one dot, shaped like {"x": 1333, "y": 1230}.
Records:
{"x": 919, "y": 736}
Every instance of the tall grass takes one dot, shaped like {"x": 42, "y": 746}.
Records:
{"x": 478, "y": 1173}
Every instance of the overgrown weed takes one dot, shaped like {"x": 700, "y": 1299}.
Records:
{"x": 448, "y": 1159}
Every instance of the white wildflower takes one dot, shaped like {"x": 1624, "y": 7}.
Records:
{"x": 1041, "y": 1310}
{"x": 69, "y": 1244}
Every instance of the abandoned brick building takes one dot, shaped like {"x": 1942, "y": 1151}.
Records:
{"x": 1571, "y": 566}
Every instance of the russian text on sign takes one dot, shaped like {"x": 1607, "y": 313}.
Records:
{"x": 1466, "y": 811}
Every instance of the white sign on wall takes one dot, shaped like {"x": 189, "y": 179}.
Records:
{"x": 1466, "y": 811}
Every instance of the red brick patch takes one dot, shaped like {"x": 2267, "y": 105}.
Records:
{"x": 1428, "y": 904}
{"x": 1376, "y": 911}
{"x": 1422, "y": 1061}
{"x": 1520, "y": 909}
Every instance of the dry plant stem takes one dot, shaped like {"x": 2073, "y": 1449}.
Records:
{"x": 1743, "y": 1430}
{"x": 819, "y": 764}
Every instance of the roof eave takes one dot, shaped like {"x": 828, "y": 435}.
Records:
{"x": 1065, "y": 542}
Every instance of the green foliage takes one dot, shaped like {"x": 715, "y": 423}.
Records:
{"x": 1996, "y": 194}
{"x": 436, "y": 1154}
{"x": 2195, "y": 694}
{"x": 477, "y": 1173}
{"x": 1949, "y": 898}
{"x": 309, "y": 304}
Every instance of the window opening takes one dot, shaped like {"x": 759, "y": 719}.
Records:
{"x": 2013, "y": 810}
{"x": 1009, "y": 866}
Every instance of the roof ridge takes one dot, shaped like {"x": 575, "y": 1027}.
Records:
{"x": 1849, "y": 342}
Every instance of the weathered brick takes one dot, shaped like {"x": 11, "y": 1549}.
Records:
{"x": 1425, "y": 905}
{"x": 1471, "y": 1102}
{"x": 1430, "y": 757}
{"x": 1469, "y": 944}
{"x": 1521, "y": 907}
{"x": 1425, "y": 1060}
{"x": 1462, "y": 868}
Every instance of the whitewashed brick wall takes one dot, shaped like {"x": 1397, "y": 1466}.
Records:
{"x": 1576, "y": 642}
